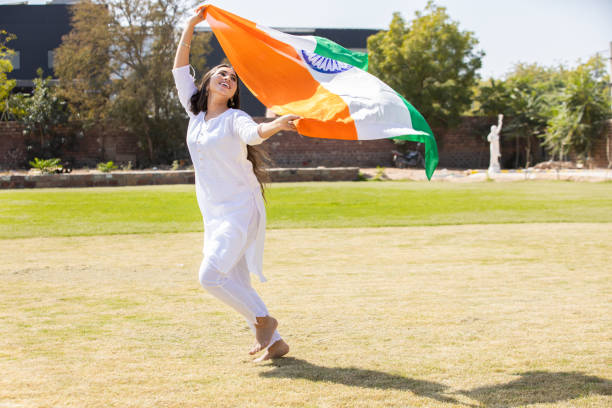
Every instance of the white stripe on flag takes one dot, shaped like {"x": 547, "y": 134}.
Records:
{"x": 299, "y": 42}
{"x": 376, "y": 108}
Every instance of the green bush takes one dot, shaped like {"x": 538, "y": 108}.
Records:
{"x": 45, "y": 112}
{"x": 45, "y": 165}
{"x": 107, "y": 167}
{"x": 380, "y": 174}
{"x": 127, "y": 166}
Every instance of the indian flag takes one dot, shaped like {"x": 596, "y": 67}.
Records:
{"x": 320, "y": 81}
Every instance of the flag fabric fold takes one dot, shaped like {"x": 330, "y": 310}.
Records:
{"x": 325, "y": 84}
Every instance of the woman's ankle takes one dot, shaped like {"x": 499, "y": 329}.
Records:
{"x": 263, "y": 320}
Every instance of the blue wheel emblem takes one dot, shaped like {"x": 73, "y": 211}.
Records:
{"x": 324, "y": 64}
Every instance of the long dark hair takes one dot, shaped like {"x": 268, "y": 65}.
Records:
{"x": 199, "y": 103}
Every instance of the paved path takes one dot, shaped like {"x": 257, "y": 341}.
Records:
{"x": 467, "y": 176}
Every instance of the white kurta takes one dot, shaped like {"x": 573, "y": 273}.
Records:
{"x": 227, "y": 190}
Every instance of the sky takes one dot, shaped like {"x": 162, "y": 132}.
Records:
{"x": 547, "y": 32}
{"x": 544, "y": 31}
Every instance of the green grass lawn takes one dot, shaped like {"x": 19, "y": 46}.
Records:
{"x": 385, "y": 292}
{"x": 102, "y": 211}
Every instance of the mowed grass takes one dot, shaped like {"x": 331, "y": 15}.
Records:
{"x": 101, "y": 211}
{"x": 394, "y": 294}
{"x": 514, "y": 315}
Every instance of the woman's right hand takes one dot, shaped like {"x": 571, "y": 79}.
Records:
{"x": 197, "y": 19}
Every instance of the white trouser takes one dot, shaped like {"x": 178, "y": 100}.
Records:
{"x": 235, "y": 289}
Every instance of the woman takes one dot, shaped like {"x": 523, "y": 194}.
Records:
{"x": 230, "y": 196}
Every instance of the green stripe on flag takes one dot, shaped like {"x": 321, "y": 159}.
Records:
{"x": 330, "y": 49}
{"x": 431, "y": 148}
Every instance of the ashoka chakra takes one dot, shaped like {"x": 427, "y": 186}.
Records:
{"x": 324, "y": 64}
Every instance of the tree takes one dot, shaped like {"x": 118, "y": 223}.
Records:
{"x": 6, "y": 85}
{"x": 146, "y": 36}
{"x": 83, "y": 64}
{"x": 580, "y": 117}
{"x": 492, "y": 98}
{"x": 524, "y": 97}
{"x": 131, "y": 84}
{"x": 45, "y": 110}
{"x": 429, "y": 61}
{"x": 200, "y": 47}
{"x": 566, "y": 109}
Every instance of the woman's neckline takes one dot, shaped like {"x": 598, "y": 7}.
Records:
{"x": 218, "y": 116}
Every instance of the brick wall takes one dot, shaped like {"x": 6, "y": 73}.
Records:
{"x": 289, "y": 149}
{"x": 87, "y": 149}
{"x": 599, "y": 156}
{"x": 12, "y": 148}
{"x": 465, "y": 146}
{"x": 97, "y": 146}
{"x": 462, "y": 147}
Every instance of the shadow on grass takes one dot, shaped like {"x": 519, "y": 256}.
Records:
{"x": 290, "y": 367}
{"x": 533, "y": 387}
{"x": 540, "y": 387}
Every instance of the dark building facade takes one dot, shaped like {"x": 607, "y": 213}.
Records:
{"x": 39, "y": 30}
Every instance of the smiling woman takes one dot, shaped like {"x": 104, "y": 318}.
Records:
{"x": 224, "y": 80}
{"x": 229, "y": 190}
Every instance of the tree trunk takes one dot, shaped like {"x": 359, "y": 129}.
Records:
{"x": 516, "y": 150}
{"x": 42, "y": 140}
{"x": 150, "y": 147}
{"x": 608, "y": 153}
{"x": 103, "y": 142}
{"x": 528, "y": 151}
{"x": 147, "y": 131}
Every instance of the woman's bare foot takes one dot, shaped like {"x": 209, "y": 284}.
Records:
{"x": 276, "y": 350}
{"x": 264, "y": 329}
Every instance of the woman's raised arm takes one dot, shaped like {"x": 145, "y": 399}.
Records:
{"x": 182, "y": 53}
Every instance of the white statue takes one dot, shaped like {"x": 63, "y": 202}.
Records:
{"x": 493, "y": 139}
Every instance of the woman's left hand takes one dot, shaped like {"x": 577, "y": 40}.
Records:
{"x": 287, "y": 122}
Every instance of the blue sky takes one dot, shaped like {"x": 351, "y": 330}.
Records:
{"x": 544, "y": 31}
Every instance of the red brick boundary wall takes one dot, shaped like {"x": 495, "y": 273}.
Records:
{"x": 601, "y": 148}
{"x": 87, "y": 150}
{"x": 142, "y": 178}
{"x": 289, "y": 149}
{"x": 12, "y": 145}
{"x": 464, "y": 147}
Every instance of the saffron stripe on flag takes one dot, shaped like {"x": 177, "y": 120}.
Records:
{"x": 322, "y": 82}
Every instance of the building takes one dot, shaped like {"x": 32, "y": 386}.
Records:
{"x": 39, "y": 30}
